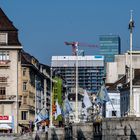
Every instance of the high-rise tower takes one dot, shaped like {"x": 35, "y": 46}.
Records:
{"x": 110, "y": 45}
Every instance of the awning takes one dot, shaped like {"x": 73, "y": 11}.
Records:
{"x": 5, "y": 127}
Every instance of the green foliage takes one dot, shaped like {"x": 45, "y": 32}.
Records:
{"x": 57, "y": 94}
{"x": 57, "y": 90}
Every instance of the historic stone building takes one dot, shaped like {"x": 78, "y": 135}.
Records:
{"x": 34, "y": 94}
{"x": 10, "y": 48}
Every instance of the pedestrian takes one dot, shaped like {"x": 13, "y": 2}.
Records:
{"x": 37, "y": 137}
{"x": 46, "y": 130}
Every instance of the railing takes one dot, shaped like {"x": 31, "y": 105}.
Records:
{"x": 8, "y": 97}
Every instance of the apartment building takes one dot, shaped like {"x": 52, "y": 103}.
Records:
{"x": 10, "y": 48}
{"x": 34, "y": 92}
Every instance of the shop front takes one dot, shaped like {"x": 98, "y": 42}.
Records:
{"x": 6, "y": 124}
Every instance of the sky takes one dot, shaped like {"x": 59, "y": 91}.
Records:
{"x": 44, "y": 25}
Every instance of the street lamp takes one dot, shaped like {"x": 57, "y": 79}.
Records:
{"x": 131, "y": 26}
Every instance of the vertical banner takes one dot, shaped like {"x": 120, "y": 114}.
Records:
{"x": 12, "y": 125}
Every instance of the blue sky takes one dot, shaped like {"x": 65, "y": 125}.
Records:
{"x": 44, "y": 25}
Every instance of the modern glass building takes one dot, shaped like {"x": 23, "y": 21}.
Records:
{"x": 110, "y": 45}
{"x": 90, "y": 71}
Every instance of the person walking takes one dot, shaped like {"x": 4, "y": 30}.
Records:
{"x": 37, "y": 137}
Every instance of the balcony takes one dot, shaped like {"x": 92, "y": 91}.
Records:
{"x": 7, "y": 98}
{"x": 5, "y": 63}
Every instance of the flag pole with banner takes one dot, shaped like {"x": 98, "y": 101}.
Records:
{"x": 58, "y": 110}
{"x": 103, "y": 96}
{"x": 86, "y": 100}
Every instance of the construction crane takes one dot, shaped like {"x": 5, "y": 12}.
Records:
{"x": 75, "y": 44}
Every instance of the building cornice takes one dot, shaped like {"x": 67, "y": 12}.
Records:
{"x": 10, "y": 47}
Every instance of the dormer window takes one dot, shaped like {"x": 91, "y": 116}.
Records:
{"x": 3, "y": 38}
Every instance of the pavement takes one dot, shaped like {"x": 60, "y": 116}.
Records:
{"x": 11, "y": 137}
{"x": 26, "y": 136}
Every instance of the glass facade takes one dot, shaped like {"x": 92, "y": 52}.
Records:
{"x": 110, "y": 46}
{"x": 90, "y": 72}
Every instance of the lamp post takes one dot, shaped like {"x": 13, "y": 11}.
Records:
{"x": 76, "y": 89}
{"x": 131, "y": 26}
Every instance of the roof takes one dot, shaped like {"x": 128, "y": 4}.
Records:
{"x": 26, "y": 58}
{"x": 5, "y": 23}
{"x": 82, "y": 58}
{"x": 134, "y": 52}
{"x": 7, "y": 26}
{"x": 27, "y": 61}
{"x": 126, "y": 85}
{"x": 113, "y": 87}
{"x": 83, "y": 61}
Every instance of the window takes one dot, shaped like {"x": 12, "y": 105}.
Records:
{"x": 3, "y": 38}
{"x": 24, "y": 115}
{"x": 4, "y": 55}
{"x": 2, "y": 90}
{"x": 24, "y": 71}
{"x": 24, "y": 86}
{"x": 114, "y": 113}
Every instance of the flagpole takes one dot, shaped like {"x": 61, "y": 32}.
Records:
{"x": 51, "y": 117}
{"x": 76, "y": 90}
